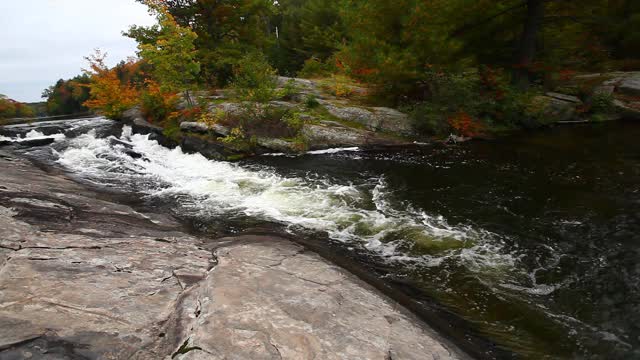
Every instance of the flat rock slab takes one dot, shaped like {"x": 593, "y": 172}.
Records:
{"x": 269, "y": 299}
{"x": 87, "y": 278}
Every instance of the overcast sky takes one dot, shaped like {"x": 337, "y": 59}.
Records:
{"x": 42, "y": 41}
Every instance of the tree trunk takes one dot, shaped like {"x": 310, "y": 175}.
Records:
{"x": 527, "y": 47}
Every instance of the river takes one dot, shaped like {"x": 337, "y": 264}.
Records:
{"x": 527, "y": 246}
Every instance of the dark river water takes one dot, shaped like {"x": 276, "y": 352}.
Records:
{"x": 530, "y": 243}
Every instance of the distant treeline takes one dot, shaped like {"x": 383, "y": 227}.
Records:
{"x": 10, "y": 108}
{"x": 67, "y": 96}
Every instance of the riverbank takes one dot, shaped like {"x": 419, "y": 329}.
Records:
{"x": 309, "y": 115}
{"x": 83, "y": 276}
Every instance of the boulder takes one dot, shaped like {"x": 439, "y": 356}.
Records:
{"x": 35, "y": 142}
{"x": 604, "y": 90}
{"x": 199, "y": 127}
{"x": 277, "y": 145}
{"x": 209, "y": 148}
{"x": 194, "y": 126}
{"x": 138, "y": 124}
{"x": 375, "y": 119}
{"x": 322, "y": 137}
{"x": 552, "y": 109}
{"x": 393, "y": 121}
{"x": 302, "y": 84}
{"x": 564, "y": 97}
{"x": 630, "y": 85}
{"x": 229, "y": 108}
{"x": 117, "y": 142}
{"x": 627, "y": 110}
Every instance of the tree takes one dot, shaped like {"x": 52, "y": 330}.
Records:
{"x": 10, "y": 108}
{"x": 7, "y": 107}
{"x": 67, "y": 96}
{"x": 172, "y": 53}
{"x": 307, "y": 29}
{"x": 527, "y": 47}
{"x": 226, "y": 30}
{"x": 108, "y": 93}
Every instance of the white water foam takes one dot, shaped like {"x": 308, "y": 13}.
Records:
{"x": 355, "y": 214}
{"x": 318, "y": 152}
{"x": 333, "y": 151}
{"x": 33, "y": 135}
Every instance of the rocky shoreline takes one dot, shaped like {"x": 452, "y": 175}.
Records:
{"x": 337, "y": 122}
{"x": 84, "y": 277}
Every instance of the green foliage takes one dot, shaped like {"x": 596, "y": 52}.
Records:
{"x": 289, "y": 90}
{"x": 339, "y": 86}
{"x": 235, "y": 135}
{"x": 314, "y": 68}
{"x": 293, "y": 120}
{"x": 10, "y": 108}
{"x": 307, "y": 29}
{"x": 311, "y": 102}
{"x": 171, "y": 53}
{"x": 254, "y": 79}
{"x": 485, "y": 96}
{"x": 225, "y": 31}
{"x": 601, "y": 103}
{"x": 429, "y": 56}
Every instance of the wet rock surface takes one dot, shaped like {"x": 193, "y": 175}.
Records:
{"x": 83, "y": 277}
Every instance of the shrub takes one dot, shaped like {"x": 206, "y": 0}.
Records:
{"x": 158, "y": 105}
{"x": 465, "y": 125}
{"x": 7, "y": 108}
{"x": 110, "y": 94}
{"x": 311, "y": 102}
{"x": 289, "y": 90}
{"x": 428, "y": 120}
{"x": 484, "y": 96}
{"x": 254, "y": 79}
{"x": 236, "y": 135}
{"x": 339, "y": 86}
{"x": 212, "y": 118}
{"x": 601, "y": 103}
{"x": 293, "y": 120}
{"x": 314, "y": 68}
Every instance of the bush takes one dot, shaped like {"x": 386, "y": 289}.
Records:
{"x": 484, "y": 96}
{"x": 311, "y": 102}
{"x": 109, "y": 94}
{"x": 157, "y": 105}
{"x": 254, "y": 79}
{"x": 289, "y": 90}
{"x": 339, "y": 86}
{"x": 601, "y": 103}
{"x": 314, "y": 68}
{"x": 428, "y": 120}
{"x": 293, "y": 120}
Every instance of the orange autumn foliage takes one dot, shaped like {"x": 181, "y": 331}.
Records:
{"x": 465, "y": 125}
{"x": 109, "y": 95}
{"x": 157, "y": 103}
